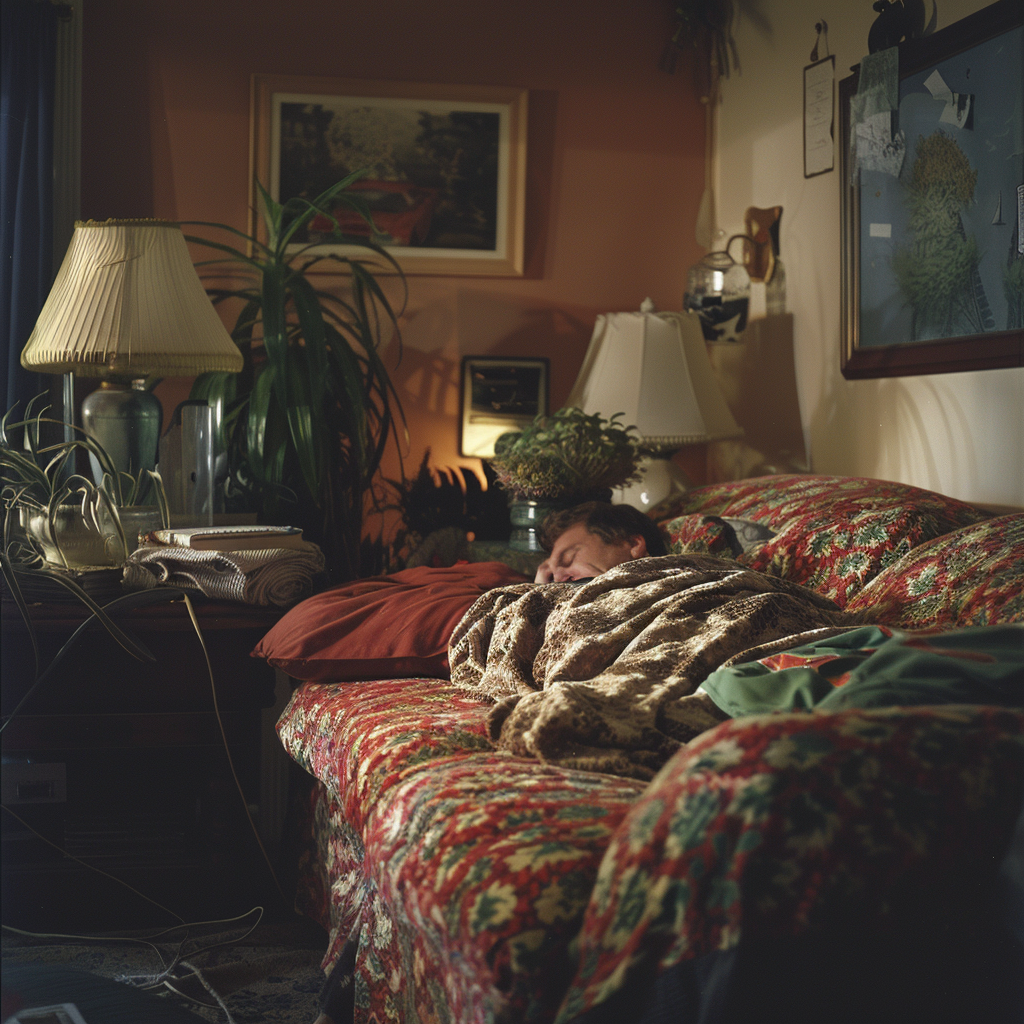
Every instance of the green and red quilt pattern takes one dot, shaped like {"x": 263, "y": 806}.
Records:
{"x": 467, "y": 885}
{"x": 457, "y": 875}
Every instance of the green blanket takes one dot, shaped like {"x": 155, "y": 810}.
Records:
{"x": 873, "y": 666}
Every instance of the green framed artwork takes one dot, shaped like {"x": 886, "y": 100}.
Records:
{"x": 933, "y": 244}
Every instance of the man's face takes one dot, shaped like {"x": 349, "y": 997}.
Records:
{"x": 579, "y": 554}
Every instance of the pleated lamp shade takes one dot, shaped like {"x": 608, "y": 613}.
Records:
{"x": 654, "y": 369}
{"x": 128, "y": 303}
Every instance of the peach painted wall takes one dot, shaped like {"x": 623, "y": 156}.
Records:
{"x": 615, "y": 154}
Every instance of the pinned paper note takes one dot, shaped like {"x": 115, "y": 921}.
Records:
{"x": 873, "y": 144}
{"x": 877, "y": 148}
{"x": 819, "y": 92}
{"x": 959, "y": 106}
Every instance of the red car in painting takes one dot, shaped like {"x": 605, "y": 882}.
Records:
{"x": 401, "y": 214}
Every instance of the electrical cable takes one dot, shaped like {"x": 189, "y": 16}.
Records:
{"x": 149, "y": 940}
{"x": 138, "y": 938}
{"x": 165, "y": 977}
{"x": 209, "y": 988}
{"x": 91, "y": 867}
{"x": 87, "y": 938}
{"x": 227, "y": 749}
{"x": 141, "y": 597}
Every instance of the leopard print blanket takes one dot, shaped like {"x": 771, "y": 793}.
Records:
{"x": 601, "y": 675}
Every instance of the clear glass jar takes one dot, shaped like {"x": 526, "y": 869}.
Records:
{"x": 718, "y": 291}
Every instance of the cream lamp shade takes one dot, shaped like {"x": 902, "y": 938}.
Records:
{"x": 127, "y": 302}
{"x": 654, "y": 369}
{"x": 128, "y": 305}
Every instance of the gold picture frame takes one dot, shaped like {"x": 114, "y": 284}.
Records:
{"x": 447, "y": 164}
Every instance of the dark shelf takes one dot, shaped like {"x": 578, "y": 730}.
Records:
{"x": 147, "y": 792}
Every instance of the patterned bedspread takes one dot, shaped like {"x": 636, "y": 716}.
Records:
{"x": 450, "y": 876}
{"x": 781, "y": 826}
{"x": 596, "y": 675}
{"x": 464, "y": 883}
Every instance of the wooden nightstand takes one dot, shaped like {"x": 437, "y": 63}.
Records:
{"x": 122, "y": 764}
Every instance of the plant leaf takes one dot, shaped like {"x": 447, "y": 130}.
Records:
{"x": 271, "y": 211}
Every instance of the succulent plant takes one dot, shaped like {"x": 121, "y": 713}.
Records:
{"x": 568, "y": 455}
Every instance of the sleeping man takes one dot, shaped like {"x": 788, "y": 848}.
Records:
{"x": 588, "y": 539}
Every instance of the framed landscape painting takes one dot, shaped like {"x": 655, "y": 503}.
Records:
{"x": 933, "y": 244}
{"x": 445, "y": 166}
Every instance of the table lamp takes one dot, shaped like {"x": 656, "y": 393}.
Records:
{"x": 654, "y": 369}
{"x": 128, "y": 305}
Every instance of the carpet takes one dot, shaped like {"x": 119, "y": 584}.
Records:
{"x": 270, "y": 976}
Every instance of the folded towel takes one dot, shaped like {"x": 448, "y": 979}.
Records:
{"x": 277, "y": 576}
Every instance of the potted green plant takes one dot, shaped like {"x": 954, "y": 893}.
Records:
{"x": 562, "y": 459}
{"x": 55, "y": 520}
{"x": 306, "y": 422}
{"x": 59, "y": 526}
{"x": 56, "y": 515}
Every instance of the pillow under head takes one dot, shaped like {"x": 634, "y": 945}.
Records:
{"x": 385, "y": 627}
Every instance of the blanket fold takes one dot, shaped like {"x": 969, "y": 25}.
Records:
{"x": 600, "y": 675}
{"x": 276, "y": 576}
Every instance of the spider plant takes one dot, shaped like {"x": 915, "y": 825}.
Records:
{"x": 306, "y": 422}
{"x": 40, "y": 479}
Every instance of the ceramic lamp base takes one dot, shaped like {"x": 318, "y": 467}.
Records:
{"x": 661, "y": 479}
{"x": 125, "y": 419}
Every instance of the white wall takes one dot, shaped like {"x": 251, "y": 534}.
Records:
{"x": 959, "y": 433}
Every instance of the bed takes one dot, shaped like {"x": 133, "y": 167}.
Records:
{"x": 776, "y": 774}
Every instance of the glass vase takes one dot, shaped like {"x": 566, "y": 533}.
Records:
{"x": 527, "y": 516}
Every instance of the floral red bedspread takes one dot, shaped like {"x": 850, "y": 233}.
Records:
{"x": 794, "y": 825}
{"x": 455, "y": 874}
{"x": 466, "y": 884}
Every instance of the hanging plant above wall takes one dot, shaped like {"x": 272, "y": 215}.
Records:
{"x": 704, "y": 29}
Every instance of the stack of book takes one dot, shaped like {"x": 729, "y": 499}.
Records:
{"x": 229, "y": 538}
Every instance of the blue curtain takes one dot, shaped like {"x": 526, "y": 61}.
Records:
{"x": 29, "y": 43}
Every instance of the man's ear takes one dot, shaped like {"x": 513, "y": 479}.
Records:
{"x": 638, "y": 547}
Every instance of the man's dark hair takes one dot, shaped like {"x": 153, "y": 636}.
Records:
{"x": 612, "y": 523}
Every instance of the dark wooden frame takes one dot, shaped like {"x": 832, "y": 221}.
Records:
{"x": 991, "y": 350}
{"x": 497, "y": 420}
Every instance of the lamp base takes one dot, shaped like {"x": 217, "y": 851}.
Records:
{"x": 126, "y": 420}
{"x": 661, "y": 479}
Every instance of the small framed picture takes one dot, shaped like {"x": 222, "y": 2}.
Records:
{"x": 499, "y": 395}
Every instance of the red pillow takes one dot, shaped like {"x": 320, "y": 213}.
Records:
{"x": 386, "y": 627}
